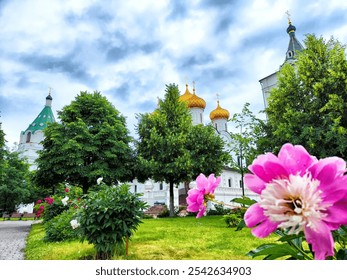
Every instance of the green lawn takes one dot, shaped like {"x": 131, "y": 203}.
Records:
{"x": 186, "y": 238}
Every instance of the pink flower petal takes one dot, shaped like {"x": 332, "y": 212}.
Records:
{"x": 201, "y": 182}
{"x": 337, "y": 213}
{"x": 295, "y": 159}
{"x": 254, "y": 183}
{"x": 201, "y": 212}
{"x": 269, "y": 171}
{"x": 264, "y": 229}
{"x": 321, "y": 240}
{"x": 254, "y": 215}
{"x": 213, "y": 183}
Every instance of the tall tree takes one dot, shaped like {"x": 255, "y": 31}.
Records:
{"x": 162, "y": 141}
{"x": 206, "y": 151}
{"x": 171, "y": 149}
{"x": 90, "y": 141}
{"x": 245, "y": 141}
{"x": 14, "y": 182}
{"x": 309, "y": 106}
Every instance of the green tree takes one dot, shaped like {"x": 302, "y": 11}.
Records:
{"x": 162, "y": 142}
{"x": 14, "y": 182}
{"x": 309, "y": 106}
{"x": 244, "y": 143}
{"x": 90, "y": 141}
{"x": 206, "y": 150}
{"x": 172, "y": 150}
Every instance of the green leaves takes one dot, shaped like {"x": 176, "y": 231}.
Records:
{"x": 314, "y": 89}
{"x": 91, "y": 141}
{"x": 109, "y": 216}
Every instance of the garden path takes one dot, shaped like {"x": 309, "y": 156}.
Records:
{"x": 12, "y": 239}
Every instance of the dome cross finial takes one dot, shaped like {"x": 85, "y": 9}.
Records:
{"x": 288, "y": 15}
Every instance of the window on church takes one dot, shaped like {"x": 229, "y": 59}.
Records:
{"x": 28, "y": 137}
{"x": 135, "y": 188}
{"x": 230, "y": 182}
{"x": 200, "y": 117}
{"x": 161, "y": 186}
{"x": 226, "y": 129}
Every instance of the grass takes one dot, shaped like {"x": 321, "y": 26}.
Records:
{"x": 186, "y": 238}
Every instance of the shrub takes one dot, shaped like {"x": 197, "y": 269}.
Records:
{"x": 109, "y": 217}
{"x": 53, "y": 210}
{"x": 235, "y": 217}
{"x": 218, "y": 210}
{"x": 59, "y": 227}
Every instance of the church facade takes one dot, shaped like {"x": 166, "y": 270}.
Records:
{"x": 30, "y": 139}
{"x": 294, "y": 47}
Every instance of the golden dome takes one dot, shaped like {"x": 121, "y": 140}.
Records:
{"x": 196, "y": 102}
{"x": 219, "y": 113}
{"x": 186, "y": 95}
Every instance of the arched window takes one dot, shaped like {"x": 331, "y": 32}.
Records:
{"x": 28, "y": 137}
{"x": 161, "y": 186}
{"x": 135, "y": 188}
{"x": 200, "y": 118}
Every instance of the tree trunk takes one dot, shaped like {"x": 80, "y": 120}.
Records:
{"x": 186, "y": 186}
{"x": 172, "y": 200}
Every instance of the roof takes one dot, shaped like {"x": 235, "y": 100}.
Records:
{"x": 294, "y": 45}
{"x": 45, "y": 116}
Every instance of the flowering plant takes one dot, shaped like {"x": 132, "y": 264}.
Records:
{"x": 301, "y": 198}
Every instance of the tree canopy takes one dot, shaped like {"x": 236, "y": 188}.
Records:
{"x": 171, "y": 149}
{"x": 15, "y": 185}
{"x": 90, "y": 141}
{"x": 309, "y": 106}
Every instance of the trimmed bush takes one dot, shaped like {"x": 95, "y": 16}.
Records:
{"x": 59, "y": 227}
{"x": 109, "y": 217}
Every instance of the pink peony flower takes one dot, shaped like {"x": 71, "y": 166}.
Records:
{"x": 49, "y": 200}
{"x": 298, "y": 193}
{"x": 198, "y": 197}
{"x": 39, "y": 201}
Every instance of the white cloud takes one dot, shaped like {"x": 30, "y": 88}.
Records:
{"x": 130, "y": 49}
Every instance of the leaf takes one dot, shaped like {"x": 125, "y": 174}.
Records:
{"x": 274, "y": 251}
{"x": 244, "y": 200}
{"x": 341, "y": 254}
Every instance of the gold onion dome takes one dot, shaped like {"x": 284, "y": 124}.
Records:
{"x": 186, "y": 95}
{"x": 219, "y": 113}
{"x": 195, "y": 101}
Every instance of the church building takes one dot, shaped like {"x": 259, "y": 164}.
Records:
{"x": 29, "y": 140}
{"x": 294, "y": 47}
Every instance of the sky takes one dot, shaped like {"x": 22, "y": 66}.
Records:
{"x": 129, "y": 50}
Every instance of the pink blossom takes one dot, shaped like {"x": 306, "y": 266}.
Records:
{"x": 298, "y": 193}
{"x": 39, "y": 201}
{"x": 66, "y": 190}
{"x": 198, "y": 197}
{"x": 49, "y": 200}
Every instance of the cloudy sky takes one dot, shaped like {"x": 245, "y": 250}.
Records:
{"x": 130, "y": 49}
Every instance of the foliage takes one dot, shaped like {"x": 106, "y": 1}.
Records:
{"x": 244, "y": 144}
{"x": 206, "y": 158}
{"x": 15, "y": 186}
{"x": 171, "y": 149}
{"x": 162, "y": 141}
{"x": 219, "y": 209}
{"x": 52, "y": 206}
{"x": 314, "y": 89}
{"x": 109, "y": 217}
{"x": 235, "y": 217}
{"x": 90, "y": 141}
{"x": 59, "y": 227}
